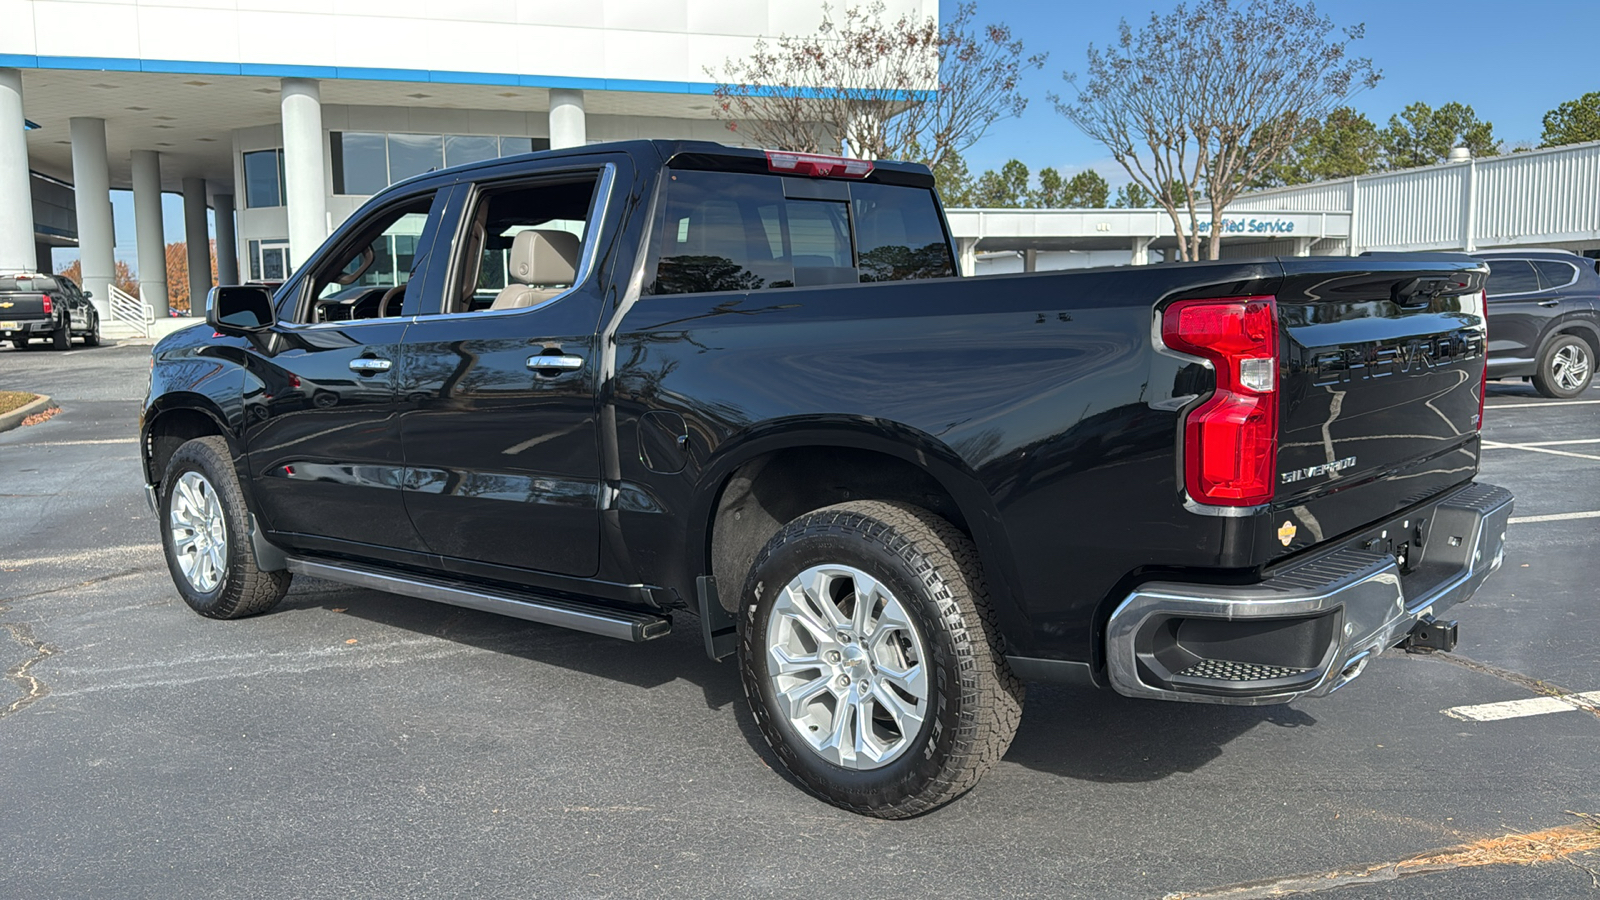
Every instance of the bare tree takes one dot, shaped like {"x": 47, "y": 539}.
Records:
{"x": 902, "y": 89}
{"x": 1201, "y": 101}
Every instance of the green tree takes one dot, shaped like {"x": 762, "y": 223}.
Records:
{"x": 1573, "y": 122}
{"x": 1085, "y": 190}
{"x": 953, "y": 181}
{"x": 1421, "y": 135}
{"x": 1344, "y": 143}
{"x": 1005, "y": 189}
{"x": 1132, "y": 196}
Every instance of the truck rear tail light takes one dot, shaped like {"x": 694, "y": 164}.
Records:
{"x": 814, "y": 166}
{"x": 47, "y": 301}
{"x": 1230, "y": 442}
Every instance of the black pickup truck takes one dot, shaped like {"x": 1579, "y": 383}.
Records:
{"x": 46, "y": 306}
{"x": 621, "y": 385}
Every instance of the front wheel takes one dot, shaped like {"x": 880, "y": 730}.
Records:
{"x": 870, "y": 658}
{"x": 206, "y": 535}
{"x": 1565, "y": 368}
{"x": 61, "y": 338}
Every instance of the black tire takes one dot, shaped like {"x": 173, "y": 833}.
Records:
{"x": 61, "y": 338}
{"x": 243, "y": 589}
{"x": 1556, "y": 377}
{"x": 974, "y": 702}
{"x": 19, "y": 343}
{"x": 92, "y": 338}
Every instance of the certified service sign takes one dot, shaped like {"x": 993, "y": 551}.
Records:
{"x": 1286, "y": 532}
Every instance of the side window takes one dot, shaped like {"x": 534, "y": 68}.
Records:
{"x": 1511, "y": 276}
{"x": 523, "y": 244}
{"x": 1554, "y": 274}
{"x": 725, "y": 231}
{"x": 367, "y": 277}
{"x": 898, "y": 233}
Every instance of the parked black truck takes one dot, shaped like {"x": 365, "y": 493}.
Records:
{"x": 621, "y": 383}
{"x": 36, "y": 306}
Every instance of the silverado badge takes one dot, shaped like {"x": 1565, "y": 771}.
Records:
{"x": 1286, "y": 532}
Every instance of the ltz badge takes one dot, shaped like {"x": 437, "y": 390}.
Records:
{"x": 1286, "y": 532}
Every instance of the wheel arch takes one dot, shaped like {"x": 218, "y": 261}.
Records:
{"x": 178, "y": 417}
{"x": 1576, "y": 325}
{"x": 784, "y": 469}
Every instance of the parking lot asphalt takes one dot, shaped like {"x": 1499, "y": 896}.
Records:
{"x": 355, "y": 743}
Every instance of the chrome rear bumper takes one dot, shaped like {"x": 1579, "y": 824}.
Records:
{"x": 1312, "y": 626}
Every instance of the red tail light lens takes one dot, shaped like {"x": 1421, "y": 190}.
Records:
{"x": 1230, "y": 442}
{"x": 814, "y": 166}
{"x": 47, "y": 301}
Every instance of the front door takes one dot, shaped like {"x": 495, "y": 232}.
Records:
{"x": 500, "y": 431}
{"x": 322, "y": 412}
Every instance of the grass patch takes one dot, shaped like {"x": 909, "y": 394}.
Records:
{"x": 10, "y": 400}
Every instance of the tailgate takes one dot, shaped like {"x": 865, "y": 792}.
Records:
{"x": 1380, "y": 388}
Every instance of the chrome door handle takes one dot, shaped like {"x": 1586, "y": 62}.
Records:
{"x": 562, "y": 363}
{"x": 366, "y": 365}
{"x": 1549, "y": 302}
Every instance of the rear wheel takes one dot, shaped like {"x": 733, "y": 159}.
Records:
{"x": 19, "y": 343}
{"x": 61, "y": 338}
{"x": 206, "y": 535}
{"x": 92, "y": 338}
{"x": 1565, "y": 368}
{"x": 870, "y": 660}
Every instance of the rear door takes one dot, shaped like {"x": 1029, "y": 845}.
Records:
{"x": 501, "y": 431}
{"x": 1518, "y": 309}
{"x": 1380, "y": 388}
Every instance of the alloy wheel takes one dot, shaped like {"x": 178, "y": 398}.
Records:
{"x": 199, "y": 535}
{"x": 1569, "y": 367}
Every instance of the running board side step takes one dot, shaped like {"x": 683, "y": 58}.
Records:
{"x": 595, "y": 619}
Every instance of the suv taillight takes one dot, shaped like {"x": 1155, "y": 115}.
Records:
{"x": 1230, "y": 442}
{"x": 47, "y": 307}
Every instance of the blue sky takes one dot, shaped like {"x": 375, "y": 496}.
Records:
{"x": 1510, "y": 61}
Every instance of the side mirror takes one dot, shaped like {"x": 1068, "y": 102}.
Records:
{"x": 88, "y": 295}
{"x": 239, "y": 309}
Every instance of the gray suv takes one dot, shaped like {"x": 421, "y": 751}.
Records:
{"x": 1544, "y": 318}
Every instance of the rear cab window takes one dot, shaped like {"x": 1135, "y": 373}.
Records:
{"x": 730, "y": 231}
{"x": 28, "y": 284}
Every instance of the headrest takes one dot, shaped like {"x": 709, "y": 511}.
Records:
{"x": 540, "y": 256}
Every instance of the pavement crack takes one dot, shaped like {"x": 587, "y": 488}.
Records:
{"x": 33, "y": 689}
{"x": 1557, "y": 844}
{"x": 1527, "y": 682}
{"x": 126, "y": 573}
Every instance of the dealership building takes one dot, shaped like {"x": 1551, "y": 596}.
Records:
{"x": 283, "y": 117}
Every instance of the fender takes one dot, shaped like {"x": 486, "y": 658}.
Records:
{"x": 1567, "y": 323}
{"x": 882, "y": 436}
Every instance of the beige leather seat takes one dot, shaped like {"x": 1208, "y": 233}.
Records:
{"x": 543, "y": 264}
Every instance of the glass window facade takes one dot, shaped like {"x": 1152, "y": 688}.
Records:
{"x": 263, "y": 178}
{"x": 367, "y": 162}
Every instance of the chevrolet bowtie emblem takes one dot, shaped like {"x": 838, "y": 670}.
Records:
{"x": 1286, "y": 532}
{"x": 7, "y": 305}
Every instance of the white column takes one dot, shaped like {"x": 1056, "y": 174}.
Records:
{"x": 1302, "y": 245}
{"x": 1141, "y": 250}
{"x": 304, "y": 165}
{"x": 17, "y": 253}
{"x": 968, "y": 248}
{"x": 149, "y": 235}
{"x": 197, "y": 238}
{"x": 1469, "y": 209}
{"x": 91, "y": 190}
{"x": 1030, "y": 260}
{"x": 567, "y": 124}
{"x": 227, "y": 240}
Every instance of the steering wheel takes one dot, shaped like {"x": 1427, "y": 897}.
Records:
{"x": 383, "y": 305}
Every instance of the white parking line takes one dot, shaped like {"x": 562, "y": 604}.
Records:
{"x": 1542, "y": 404}
{"x": 1557, "y": 517}
{"x": 1498, "y": 445}
{"x": 1517, "y": 709}
{"x": 83, "y": 443}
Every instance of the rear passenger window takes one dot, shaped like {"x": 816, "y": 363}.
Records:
{"x": 1511, "y": 276}
{"x": 898, "y": 234}
{"x": 1554, "y": 274}
{"x": 724, "y": 231}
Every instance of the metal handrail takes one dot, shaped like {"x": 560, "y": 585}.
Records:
{"x": 132, "y": 311}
